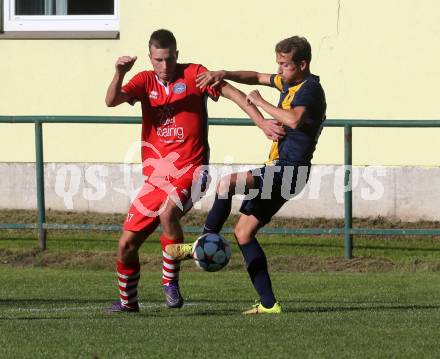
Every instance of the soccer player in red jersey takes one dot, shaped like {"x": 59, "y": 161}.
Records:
{"x": 174, "y": 148}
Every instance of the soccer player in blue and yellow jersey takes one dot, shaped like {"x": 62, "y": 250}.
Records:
{"x": 301, "y": 113}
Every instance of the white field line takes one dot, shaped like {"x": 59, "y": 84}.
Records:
{"x": 83, "y": 308}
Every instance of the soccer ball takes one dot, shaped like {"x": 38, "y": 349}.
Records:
{"x": 211, "y": 252}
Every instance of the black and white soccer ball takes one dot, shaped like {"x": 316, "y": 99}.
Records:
{"x": 211, "y": 252}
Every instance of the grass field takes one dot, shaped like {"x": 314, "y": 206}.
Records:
{"x": 383, "y": 304}
{"x": 55, "y": 313}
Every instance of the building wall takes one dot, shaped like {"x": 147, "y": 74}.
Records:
{"x": 377, "y": 60}
{"x": 403, "y": 193}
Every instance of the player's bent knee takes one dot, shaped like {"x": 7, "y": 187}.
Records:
{"x": 171, "y": 214}
{"x": 242, "y": 234}
{"x": 127, "y": 246}
{"x": 166, "y": 217}
{"x": 130, "y": 243}
{"x": 170, "y": 220}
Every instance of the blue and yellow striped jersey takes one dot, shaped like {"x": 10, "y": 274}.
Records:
{"x": 297, "y": 147}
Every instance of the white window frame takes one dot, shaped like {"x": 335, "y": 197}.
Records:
{"x": 58, "y": 23}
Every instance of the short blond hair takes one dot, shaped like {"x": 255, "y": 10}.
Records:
{"x": 298, "y": 46}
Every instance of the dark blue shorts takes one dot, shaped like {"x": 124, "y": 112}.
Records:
{"x": 274, "y": 186}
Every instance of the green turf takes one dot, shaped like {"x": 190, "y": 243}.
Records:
{"x": 396, "y": 248}
{"x": 384, "y": 303}
{"x": 48, "y": 313}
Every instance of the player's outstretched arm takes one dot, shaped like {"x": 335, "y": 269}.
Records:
{"x": 291, "y": 118}
{"x": 271, "y": 129}
{"x": 214, "y": 78}
{"x": 115, "y": 96}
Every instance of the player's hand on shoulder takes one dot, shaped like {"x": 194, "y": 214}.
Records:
{"x": 273, "y": 130}
{"x": 125, "y": 63}
{"x": 210, "y": 78}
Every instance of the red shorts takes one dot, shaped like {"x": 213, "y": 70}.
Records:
{"x": 153, "y": 198}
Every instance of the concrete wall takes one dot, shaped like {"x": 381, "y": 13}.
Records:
{"x": 407, "y": 193}
{"x": 376, "y": 59}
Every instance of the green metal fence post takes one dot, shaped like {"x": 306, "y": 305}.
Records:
{"x": 348, "y": 231}
{"x": 39, "y": 168}
{"x": 348, "y": 194}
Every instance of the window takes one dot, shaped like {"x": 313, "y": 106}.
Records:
{"x": 60, "y": 16}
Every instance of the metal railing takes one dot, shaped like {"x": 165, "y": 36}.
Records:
{"x": 347, "y": 231}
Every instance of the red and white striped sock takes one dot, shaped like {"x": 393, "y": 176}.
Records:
{"x": 170, "y": 267}
{"x": 128, "y": 278}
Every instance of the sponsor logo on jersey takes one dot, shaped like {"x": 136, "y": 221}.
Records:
{"x": 154, "y": 95}
{"x": 179, "y": 88}
{"x": 171, "y": 133}
{"x": 168, "y": 130}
